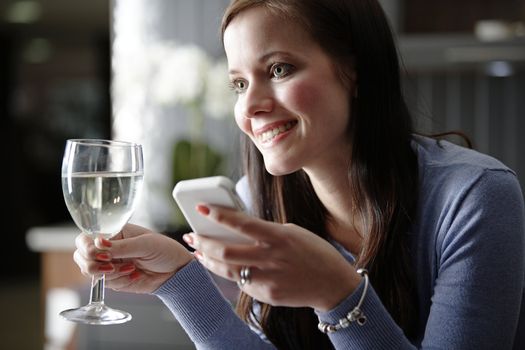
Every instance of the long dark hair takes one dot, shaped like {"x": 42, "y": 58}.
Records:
{"x": 383, "y": 171}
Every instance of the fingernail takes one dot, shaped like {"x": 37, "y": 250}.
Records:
{"x": 187, "y": 238}
{"x": 103, "y": 256}
{"x": 105, "y": 242}
{"x": 198, "y": 255}
{"x": 127, "y": 268}
{"x": 134, "y": 276}
{"x": 105, "y": 267}
{"x": 204, "y": 210}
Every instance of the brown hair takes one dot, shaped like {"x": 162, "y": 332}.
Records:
{"x": 383, "y": 169}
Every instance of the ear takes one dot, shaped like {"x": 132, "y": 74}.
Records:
{"x": 351, "y": 75}
{"x": 352, "y": 78}
{"x": 348, "y": 73}
{"x": 352, "y": 70}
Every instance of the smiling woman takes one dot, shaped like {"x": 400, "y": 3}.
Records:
{"x": 286, "y": 82}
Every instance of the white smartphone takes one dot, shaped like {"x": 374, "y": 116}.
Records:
{"x": 217, "y": 190}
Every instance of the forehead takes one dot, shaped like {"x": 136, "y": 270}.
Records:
{"x": 260, "y": 29}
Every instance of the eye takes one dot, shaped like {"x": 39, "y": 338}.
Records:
{"x": 238, "y": 85}
{"x": 280, "y": 70}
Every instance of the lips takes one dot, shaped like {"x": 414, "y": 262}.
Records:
{"x": 268, "y": 133}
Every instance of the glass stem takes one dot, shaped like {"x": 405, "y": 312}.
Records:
{"x": 97, "y": 290}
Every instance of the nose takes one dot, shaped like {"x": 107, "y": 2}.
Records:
{"x": 257, "y": 100}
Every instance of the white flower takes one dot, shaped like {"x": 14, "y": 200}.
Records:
{"x": 131, "y": 71}
{"x": 158, "y": 52}
{"x": 218, "y": 98}
{"x": 181, "y": 76}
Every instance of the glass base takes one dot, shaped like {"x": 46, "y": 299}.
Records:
{"x": 96, "y": 313}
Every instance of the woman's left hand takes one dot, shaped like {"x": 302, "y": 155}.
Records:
{"x": 289, "y": 265}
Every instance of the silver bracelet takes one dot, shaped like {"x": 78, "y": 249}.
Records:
{"x": 356, "y": 315}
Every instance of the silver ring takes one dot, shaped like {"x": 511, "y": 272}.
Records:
{"x": 245, "y": 276}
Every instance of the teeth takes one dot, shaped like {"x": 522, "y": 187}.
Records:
{"x": 270, "y": 134}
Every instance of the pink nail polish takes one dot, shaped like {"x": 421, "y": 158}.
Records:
{"x": 204, "y": 210}
{"x": 127, "y": 268}
{"x": 187, "y": 238}
{"x": 134, "y": 276}
{"x": 105, "y": 242}
{"x": 105, "y": 268}
{"x": 103, "y": 256}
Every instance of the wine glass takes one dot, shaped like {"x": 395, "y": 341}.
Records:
{"x": 101, "y": 181}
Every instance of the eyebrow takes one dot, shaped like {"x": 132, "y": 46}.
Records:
{"x": 268, "y": 55}
{"x": 264, "y": 58}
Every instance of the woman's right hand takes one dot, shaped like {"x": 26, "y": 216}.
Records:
{"x": 136, "y": 260}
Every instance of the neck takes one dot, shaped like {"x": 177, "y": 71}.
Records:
{"x": 332, "y": 185}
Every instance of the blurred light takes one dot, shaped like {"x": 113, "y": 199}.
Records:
{"x": 499, "y": 69}
{"x": 38, "y": 50}
{"x": 23, "y": 12}
{"x": 59, "y": 332}
{"x": 493, "y": 30}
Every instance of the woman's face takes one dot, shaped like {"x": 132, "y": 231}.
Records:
{"x": 291, "y": 102}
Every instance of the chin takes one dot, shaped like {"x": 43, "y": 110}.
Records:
{"x": 279, "y": 169}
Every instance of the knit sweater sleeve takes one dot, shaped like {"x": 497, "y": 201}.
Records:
{"x": 206, "y": 316}
{"x": 480, "y": 266}
{"x": 379, "y": 331}
{"x": 480, "y": 270}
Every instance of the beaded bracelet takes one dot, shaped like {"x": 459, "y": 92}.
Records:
{"x": 356, "y": 315}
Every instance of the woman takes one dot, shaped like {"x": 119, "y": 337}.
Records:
{"x": 337, "y": 181}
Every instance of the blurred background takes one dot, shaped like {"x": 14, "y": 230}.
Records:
{"x": 153, "y": 72}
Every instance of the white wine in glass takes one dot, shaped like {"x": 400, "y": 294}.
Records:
{"x": 101, "y": 181}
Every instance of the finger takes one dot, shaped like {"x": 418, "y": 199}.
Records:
{"x": 85, "y": 246}
{"x": 91, "y": 267}
{"x": 102, "y": 243}
{"x": 131, "y": 230}
{"x": 128, "y": 231}
{"x": 81, "y": 262}
{"x": 90, "y": 250}
{"x": 258, "y": 280}
{"x": 104, "y": 252}
{"x": 124, "y": 269}
{"x": 236, "y": 254}
{"x": 121, "y": 282}
{"x": 134, "y": 247}
{"x": 248, "y": 225}
{"x": 229, "y": 272}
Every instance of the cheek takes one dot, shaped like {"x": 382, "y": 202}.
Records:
{"x": 320, "y": 103}
{"x": 303, "y": 97}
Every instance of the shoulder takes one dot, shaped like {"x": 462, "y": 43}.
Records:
{"x": 435, "y": 155}
{"x": 448, "y": 171}
{"x": 467, "y": 194}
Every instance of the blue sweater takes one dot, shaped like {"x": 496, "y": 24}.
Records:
{"x": 468, "y": 249}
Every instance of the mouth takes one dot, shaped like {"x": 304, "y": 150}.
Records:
{"x": 271, "y": 132}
